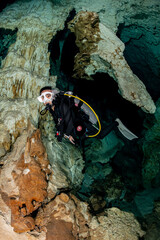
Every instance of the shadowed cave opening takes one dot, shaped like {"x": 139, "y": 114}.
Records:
{"x": 7, "y": 37}
{"x": 59, "y": 56}
{"x": 5, "y": 3}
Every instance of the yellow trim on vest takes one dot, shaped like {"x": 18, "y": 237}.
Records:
{"x": 92, "y": 111}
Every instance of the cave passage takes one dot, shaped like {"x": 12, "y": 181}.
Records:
{"x": 62, "y": 50}
{"x": 7, "y": 37}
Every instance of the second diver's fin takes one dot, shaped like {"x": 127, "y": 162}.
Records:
{"x": 125, "y": 131}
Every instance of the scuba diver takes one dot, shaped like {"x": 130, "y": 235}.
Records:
{"x": 74, "y": 118}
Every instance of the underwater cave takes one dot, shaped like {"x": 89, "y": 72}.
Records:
{"x": 105, "y": 173}
{"x": 102, "y": 94}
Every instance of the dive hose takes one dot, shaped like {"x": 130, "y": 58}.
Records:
{"x": 69, "y": 95}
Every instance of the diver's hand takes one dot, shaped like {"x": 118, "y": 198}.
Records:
{"x": 71, "y": 139}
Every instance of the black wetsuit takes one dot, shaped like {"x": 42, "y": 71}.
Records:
{"x": 68, "y": 117}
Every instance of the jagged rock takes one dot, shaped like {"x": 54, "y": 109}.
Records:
{"x": 15, "y": 116}
{"x": 66, "y": 217}
{"x": 5, "y": 140}
{"x": 18, "y": 83}
{"x": 73, "y": 219}
{"x": 23, "y": 180}
{"x": 25, "y": 69}
{"x": 65, "y": 159}
{"x": 36, "y": 22}
{"x": 69, "y": 217}
{"x": 114, "y": 225}
{"x": 104, "y": 52}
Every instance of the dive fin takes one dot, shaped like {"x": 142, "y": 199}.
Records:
{"x": 125, "y": 131}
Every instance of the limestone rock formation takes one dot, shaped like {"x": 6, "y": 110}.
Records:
{"x": 23, "y": 180}
{"x": 65, "y": 159}
{"x": 103, "y": 52}
{"x": 68, "y": 218}
{"x": 26, "y": 67}
{"x": 23, "y": 72}
{"x": 105, "y": 227}
{"x": 15, "y": 116}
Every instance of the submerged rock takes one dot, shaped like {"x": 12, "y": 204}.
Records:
{"x": 23, "y": 180}
{"x": 65, "y": 159}
{"x": 68, "y": 218}
{"x": 103, "y": 52}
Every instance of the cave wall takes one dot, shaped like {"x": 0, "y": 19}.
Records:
{"x": 24, "y": 70}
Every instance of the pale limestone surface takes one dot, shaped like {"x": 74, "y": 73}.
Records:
{"x": 26, "y": 67}
{"x": 109, "y": 58}
{"x": 14, "y": 116}
{"x": 112, "y": 13}
{"x": 104, "y": 53}
{"x": 115, "y": 224}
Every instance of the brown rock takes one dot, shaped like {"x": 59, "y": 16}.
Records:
{"x": 85, "y": 25}
{"x": 28, "y": 174}
{"x": 22, "y": 224}
{"x": 64, "y": 197}
{"x": 59, "y": 230}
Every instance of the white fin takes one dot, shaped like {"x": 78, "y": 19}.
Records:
{"x": 125, "y": 131}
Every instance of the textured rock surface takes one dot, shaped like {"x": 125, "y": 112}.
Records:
{"x": 65, "y": 159}
{"x": 105, "y": 227}
{"x": 70, "y": 216}
{"x": 104, "y": 53}
{"x": 23, "y": 180}
{"x": 25, "y": 69}
{"x": 15, "y": 115}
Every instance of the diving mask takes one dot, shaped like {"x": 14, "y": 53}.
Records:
{"x": 46, "y": 97}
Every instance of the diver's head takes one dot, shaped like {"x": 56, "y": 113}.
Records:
{"x": 46, "y": 95}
